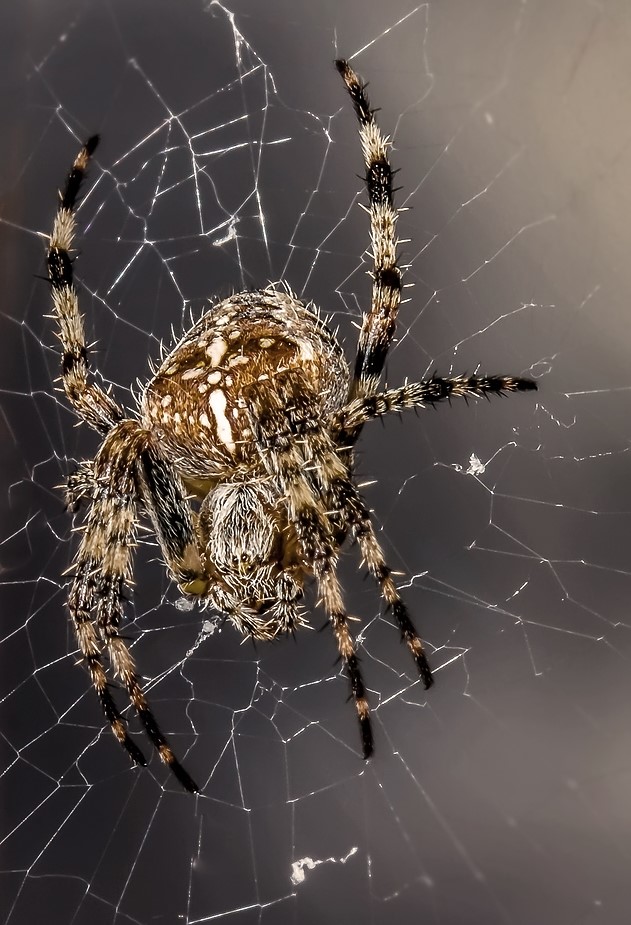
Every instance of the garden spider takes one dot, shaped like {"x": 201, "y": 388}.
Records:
{"x": 253, "y": 416}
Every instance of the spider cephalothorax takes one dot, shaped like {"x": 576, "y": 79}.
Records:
{"x": 241, "y": 457}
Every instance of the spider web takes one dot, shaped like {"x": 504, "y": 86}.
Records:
{"x": 228, "y": 159}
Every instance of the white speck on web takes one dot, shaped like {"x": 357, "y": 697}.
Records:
{"x": 299, "y": 868}
{"x": 476, "y": 466}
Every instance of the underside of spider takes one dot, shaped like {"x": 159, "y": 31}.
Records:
{"x": 241, "y": 456}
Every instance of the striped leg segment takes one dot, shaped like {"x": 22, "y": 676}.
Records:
{"x": 92, "y": 403}
{"x": 348, "y": 499}
{"x": 164, "y": 498}
{"x": 103, "y": 568}
{"x": 427, "y": 392}
{"x": 297, "y": 452}
{"x": 379, "y": 323}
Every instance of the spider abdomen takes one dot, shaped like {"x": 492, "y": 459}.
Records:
{"x": 197, "y": 403}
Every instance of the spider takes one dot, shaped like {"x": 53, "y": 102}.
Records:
{"x": 241, "y": 456}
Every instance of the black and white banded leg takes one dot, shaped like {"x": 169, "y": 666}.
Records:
{"x": 359, "y": 411}
{"x": 378, "y": 324}
{"x": 93, "y": 405}
{"x": 103, "y": 568}
{"x": 290, "y": 448}
{"x": 347, "y": 498}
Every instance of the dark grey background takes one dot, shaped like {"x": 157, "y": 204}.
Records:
{"x": 503, "y": 795}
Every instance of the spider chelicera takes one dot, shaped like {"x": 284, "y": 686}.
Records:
{"x": 241, "y": 456}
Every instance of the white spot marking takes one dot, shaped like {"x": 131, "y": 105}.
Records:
{"x": 193, "y": 373}
{"x": 306, "y": 349}
{"x": 204, "y": 420}
{"x": 213, "y": 378}
{"x": 217, "y": 402}
{"x": 202, "y": 387}
{"x": 216, "y": 350}
{"x": 166, "y": 401}
{"x": 238, "y": 361}
{"x": 266, "y": 342}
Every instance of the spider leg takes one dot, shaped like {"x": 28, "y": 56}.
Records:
{"x": 285, "y": 612}
{"x": 80, "y": 486}
{"x": 103, "y": 567}
{"x": 80, "y": 602}
{"x": 346, "y": 497}
{"x": 318, "y": 548}
{"x": 286, "y": 436}
{"x": 417, "y": 394}
{"x": 325, "y": 571}
{"x": 91, "y": 402}
{"x": 379, "y": 323}
{"x": 303, "y": 458}
{"x": 164, "y": 498}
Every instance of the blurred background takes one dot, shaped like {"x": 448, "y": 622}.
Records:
{"x": 229, "y": 158}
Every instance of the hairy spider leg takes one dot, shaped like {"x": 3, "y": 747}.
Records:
{"x": 103, "y": 567}
{"x": 290, "y": 443}
{"x": 347, "y": 498}
{"x": 103, "y": 561}
{"x": 311, "y": 453}
{"x": 359, "y": 411}
{"x": 92, "y": 404}
{"x": 379, "y": 323}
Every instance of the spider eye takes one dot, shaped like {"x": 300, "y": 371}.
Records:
{"x": 243, "y": 564}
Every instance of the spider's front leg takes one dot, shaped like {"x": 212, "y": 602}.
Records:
{"x": 378, "y": 325}
{"x": 92, "y": 404}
